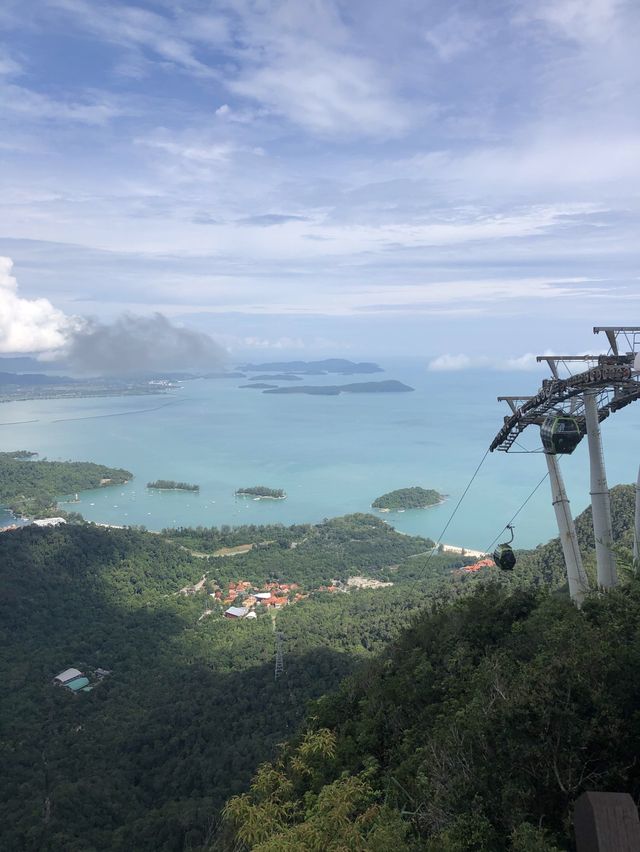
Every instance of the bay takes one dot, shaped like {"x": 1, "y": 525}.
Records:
{"x": 331, "y": 454}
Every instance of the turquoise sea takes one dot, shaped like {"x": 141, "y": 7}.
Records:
{"x": 332, "y": 454}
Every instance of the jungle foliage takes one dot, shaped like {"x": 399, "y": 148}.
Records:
{"x": 261, "y": 491}
{"x": 172, "y": 485}
{"x": 408, "y": 498}
{"x": 30, "y": 487}
{"x": 476, "y": 729}
{"x": 475, "y": 706}
{"x": 191, "y": 707}
{"x": 311, "y": 554}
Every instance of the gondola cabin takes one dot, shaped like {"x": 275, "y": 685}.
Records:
{"x": 560, "y": 434}
{"x": 504, "y": 557}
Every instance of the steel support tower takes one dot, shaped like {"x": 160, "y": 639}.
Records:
{"x": 578, "y": 584}
{"x": 600, "y": 500}
{"x": 609, "y": 382}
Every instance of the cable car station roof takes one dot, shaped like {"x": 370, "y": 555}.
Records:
{"x": 613, "y": 378}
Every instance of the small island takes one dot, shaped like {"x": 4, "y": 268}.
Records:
{"x": 277, "y": 377}
{"x": 261, "y": 492}
{"x": 388, "y": 386}
{"x": 315, "y": 368}
{"x": 170, "y": 485}
{"x": 408, "y": 498}
{"x": 259, "y": 386}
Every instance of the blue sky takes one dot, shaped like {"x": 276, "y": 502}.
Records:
{"x": 313, "y": 176}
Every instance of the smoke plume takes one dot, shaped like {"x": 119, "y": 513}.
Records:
{"x": 137, "y": 344}
{"x": 131, "y": 344}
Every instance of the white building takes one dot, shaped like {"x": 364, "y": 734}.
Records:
{"x": 236, "y": 612}
{"x": 67, "y": 675}
{"x": 49, "y": 522}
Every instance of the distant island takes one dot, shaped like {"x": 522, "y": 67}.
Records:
{"x": 233, "y": 375}
{"x": 408, "y": 498}
{"x": 170, "y": 485}
{"x": 259, "y": 386}
{"x": 388, "y": 386}
{"x": 261, "y": 492}
{"x": 277, "y": 377}
{"x": 317, "y": 368}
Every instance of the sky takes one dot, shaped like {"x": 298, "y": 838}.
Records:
{"x": 453, "y": 180}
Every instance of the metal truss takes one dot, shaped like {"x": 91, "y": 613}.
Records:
{"x": 612, "y": 379}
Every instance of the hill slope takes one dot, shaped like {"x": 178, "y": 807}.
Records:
{"x": 475, "y": 730}
{"x": 191, "y": 706}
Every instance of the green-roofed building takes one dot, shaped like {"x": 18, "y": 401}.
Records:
{"x": 77, "y": 683}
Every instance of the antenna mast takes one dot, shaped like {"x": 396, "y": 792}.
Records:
{"x": 279, "y": 655}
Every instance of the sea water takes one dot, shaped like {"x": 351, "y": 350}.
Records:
{"x": 331, "y": 454}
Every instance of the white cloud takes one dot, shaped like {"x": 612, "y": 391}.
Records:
{"x": 454, "y": 363}
{"x": 137, "y": 28}
{"x": 324, "y": 91}
{"x": 28, "y": 325}
{"x": 455, "y": 35}
{"x": 271, "y": 343}
{"x": 581, "y": 20}
{"x": 524, "y": 362}
{"x": 200, "y": 152}
{"x": 94, "y": 109}
{"x": 8, "y": 66}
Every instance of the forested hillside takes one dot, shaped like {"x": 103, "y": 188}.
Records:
{"x": 190, "y": 706}
{"x": 30, "y": 487}
{"x": 475, "y": 730}
{"x": 349, "y": 545}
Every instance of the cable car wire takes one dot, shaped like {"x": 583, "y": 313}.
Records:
{"x": 455, "y": 511}
{"x": 506, "y": 526}
{"x": 447, "y": 525}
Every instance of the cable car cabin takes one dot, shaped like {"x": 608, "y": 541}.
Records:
{"x": 560, "y": 434}
{"x": 504, "y": 557}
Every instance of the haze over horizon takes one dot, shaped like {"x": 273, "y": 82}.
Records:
{"x": 323, "y": 178}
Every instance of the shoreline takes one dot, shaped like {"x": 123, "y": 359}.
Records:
{"x": 186, "y": 490}
{"x": 463, "y": 551}
{"x": 410, "y": 508}
{"x": 258, "y": 496}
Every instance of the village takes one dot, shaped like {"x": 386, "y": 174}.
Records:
{"x": 244, "y": 599}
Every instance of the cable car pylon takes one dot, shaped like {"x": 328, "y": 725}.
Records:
{"x": 600, "y": 499}
{"x": 566, "y": 409}
{"x": 576, "y": 576}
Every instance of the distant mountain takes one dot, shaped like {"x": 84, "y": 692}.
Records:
{"x": 329, "y": 365}
{"x": 277, "y": 377}
{"x": 24, "y": 379}
{"x": 389, "y": 386}
{"x": 28, "y": 364}
{"x": 233, "y": 375}
{"x": 259, "y": 386}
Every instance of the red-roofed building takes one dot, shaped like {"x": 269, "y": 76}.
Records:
{"x": 477, "y": 566}
{"x": 275, "y": 602}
